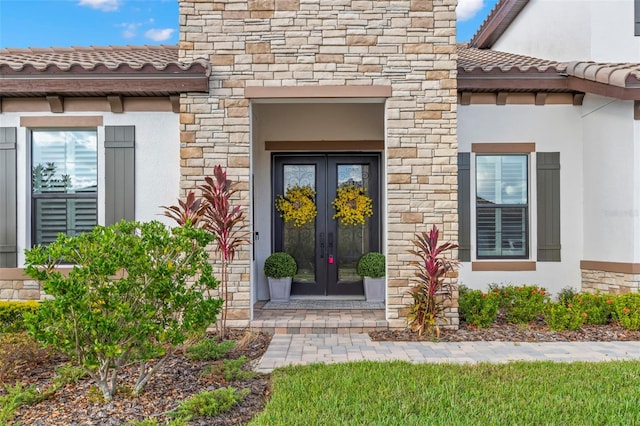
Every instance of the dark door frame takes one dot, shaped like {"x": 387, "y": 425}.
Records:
{"x": 326, "y": 229}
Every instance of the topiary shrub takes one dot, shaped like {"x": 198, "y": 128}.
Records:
{"x": 372, "y": 265}
{"x": 280, "y": 265}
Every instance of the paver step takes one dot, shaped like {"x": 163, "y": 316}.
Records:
{"x": 318, "y": 326}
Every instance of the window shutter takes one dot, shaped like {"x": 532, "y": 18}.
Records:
{"x": 636, "y": 5}
{"x": 119, "y": 142}
{"x": 548, "y": 183}
{"x": 8, "y": 198}
{"x": 464, "y": 206}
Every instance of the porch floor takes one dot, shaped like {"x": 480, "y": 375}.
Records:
{"x": 303, "y": 316}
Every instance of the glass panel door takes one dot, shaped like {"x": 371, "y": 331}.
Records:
{"x": 353, "y": 238}
{"x": 299, "y": 241}
{"x": 305, "y": 243}
{"x": 327, "y": 249}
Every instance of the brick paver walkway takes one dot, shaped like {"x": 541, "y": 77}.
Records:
{"x": 289, "y": 349}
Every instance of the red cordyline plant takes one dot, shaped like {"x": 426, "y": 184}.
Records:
{"x": 187, "y": 212}
{"x": 432, "y": 292}
{"x": 214, "y": 213}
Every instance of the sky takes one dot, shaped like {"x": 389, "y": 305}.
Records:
{"x": 64, "y": 23}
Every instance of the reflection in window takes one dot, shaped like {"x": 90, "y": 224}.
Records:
{"x": 502, "y": 206}
{"x": 300, "y": 241}
{"x": 353, "y": 240}
{"x": 64, "y": 182}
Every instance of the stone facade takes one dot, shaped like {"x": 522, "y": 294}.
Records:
{"x": 406, "y": 45}
{"x": 22, "y": 290}
{"x": 610, "y": 282}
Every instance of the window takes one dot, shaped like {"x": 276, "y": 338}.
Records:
{"x": 502, "y": 206}
{"x": 64, "y": 183}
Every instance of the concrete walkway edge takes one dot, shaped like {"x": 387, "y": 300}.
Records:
{"x": 295, "y": 349}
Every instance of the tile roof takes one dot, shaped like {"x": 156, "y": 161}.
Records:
{"x": 485, "y": 60}
{"x": 93, "y": 59}
{"x": 100, "y": 71}
{"x": 491, "y": 70}
{"x": 625, "y": 75}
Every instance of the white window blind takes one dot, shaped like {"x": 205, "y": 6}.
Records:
{"x": 64, "y": 182}
{"x": 502, "y": 206}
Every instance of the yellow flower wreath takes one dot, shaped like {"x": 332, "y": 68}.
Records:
{"x": 352, "y": 205}
{"x": 297, "y": 205}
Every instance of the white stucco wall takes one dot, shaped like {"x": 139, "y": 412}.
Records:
{"x": 553, "y": 128}
{"x": 299, "y": 122}
{"x": 636, "y": 185}
{"x": 569, "y": 30}
{"x": 610, "y": 180}
{"x": 157, "y": 164}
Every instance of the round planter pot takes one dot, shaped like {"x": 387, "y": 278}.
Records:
{"x": 279, "y": 289}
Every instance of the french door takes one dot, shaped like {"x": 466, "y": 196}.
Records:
{"x": 326, "y": 250}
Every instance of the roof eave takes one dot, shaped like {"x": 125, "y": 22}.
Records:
{"x": 629, "y": 93}
{"x": 476, "y": 81}
{"x": 504, "y": 13}
{"x": 100, "y": 85}
{"x": 496, "y": 80}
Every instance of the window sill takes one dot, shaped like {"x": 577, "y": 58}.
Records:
{"x": 504, "y": 266}
{"x": 17, "y": 274}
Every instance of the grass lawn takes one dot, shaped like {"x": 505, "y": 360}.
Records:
{"x": 400, "y": 393}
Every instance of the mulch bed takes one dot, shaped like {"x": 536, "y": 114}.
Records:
{"x": 80, "y": 404}
{"x": 502, "y": 331}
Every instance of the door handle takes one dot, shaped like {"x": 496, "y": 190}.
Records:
{"x": 322, "y": 245}
{"x": 330, "y": 257}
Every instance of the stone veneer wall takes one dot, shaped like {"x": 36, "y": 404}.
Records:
{"x": 610, "y": 282}
{"x": 20, "y": 290}
{"x": 408, "y": 45}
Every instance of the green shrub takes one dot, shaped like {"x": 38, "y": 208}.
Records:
{"x": 566, "y": 295}
{"x": 229, "y": 370}
{"x": 506, "y": 294}
{"x": 371, "y": 265}
{"x": 135, "y": 292}
{"x": 12, "y": 315}
{"x": 560, "y": 317}
{"x": 597, "y": 307}
{"x": 479, "y": 308}
{"x": 525, "y": 304}
{"x": 211, "y": 403}
{"x": 209, "y": 349}
{"x": 280, "y": 265}
{"x": 627, "y": 310}
{"x": 16, "y": 396}
{"x": 69, "y": 373}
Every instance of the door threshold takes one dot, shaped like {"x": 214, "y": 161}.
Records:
{"x": 327, "y": 298}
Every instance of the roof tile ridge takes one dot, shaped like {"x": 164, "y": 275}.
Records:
{"x": 499, "y": 57}
{"x": 488, "y": 19}
{"x": 500, "y": 12}
{"x": 102, "y": 67}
